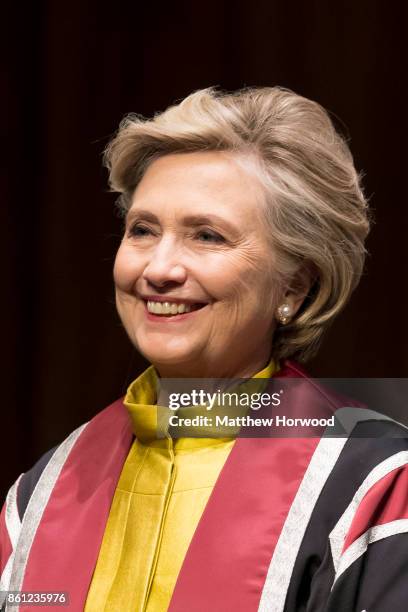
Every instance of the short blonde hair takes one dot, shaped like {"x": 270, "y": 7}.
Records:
{"x": 316, "y": 208}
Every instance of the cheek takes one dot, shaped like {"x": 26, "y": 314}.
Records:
{"x": 244, "y": 280}
{"x": 227, "y": 276}
{"x": 125, "y": 270}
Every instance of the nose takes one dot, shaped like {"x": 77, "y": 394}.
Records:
{"x": 165, "y": 266}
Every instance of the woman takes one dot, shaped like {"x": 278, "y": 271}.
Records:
{"x": 244, "y": 238}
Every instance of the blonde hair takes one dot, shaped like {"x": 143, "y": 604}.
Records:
{"x": 316, "y": 209}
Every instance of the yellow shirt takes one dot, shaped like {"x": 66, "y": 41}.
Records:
{"x": 161, "y": 494}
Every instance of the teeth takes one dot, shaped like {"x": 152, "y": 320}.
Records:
{"x": 167, "y": 308}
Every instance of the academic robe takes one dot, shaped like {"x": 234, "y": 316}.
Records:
{"x": 293, "y": 524}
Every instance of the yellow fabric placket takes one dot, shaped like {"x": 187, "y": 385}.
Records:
{"x": 166, "y": 505}
{"x": 161, "y": 494}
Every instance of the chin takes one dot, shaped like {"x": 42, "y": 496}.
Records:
{"x": 168, "y": 353}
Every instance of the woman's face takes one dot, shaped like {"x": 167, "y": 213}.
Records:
{"x": 195, "y": 244}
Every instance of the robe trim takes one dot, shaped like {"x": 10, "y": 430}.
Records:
{"x": 13, "y": 522}
{"x": 13, "y": 526}
{"x": 283, "y": 560}
{"x": 374, "y": 534}
{"x": 37, "y": 505}
{"x": 339, "y": 533}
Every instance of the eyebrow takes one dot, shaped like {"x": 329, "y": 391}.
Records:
{"x": 138, "y": 213}
{"x": 188, "y": 220}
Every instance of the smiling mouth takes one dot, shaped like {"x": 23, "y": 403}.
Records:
{"x": 171, "y": 309}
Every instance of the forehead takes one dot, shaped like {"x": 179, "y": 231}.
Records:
{"x": 200, "y": 183}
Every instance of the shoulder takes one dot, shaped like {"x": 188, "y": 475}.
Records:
{"x": 29, "y": 480}
{"x": 372, "y": 525}
{"x": 107, "y": 419}
{"x": 360, "y": 514}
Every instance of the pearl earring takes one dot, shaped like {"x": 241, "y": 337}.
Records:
{"x": 284, "y": 313}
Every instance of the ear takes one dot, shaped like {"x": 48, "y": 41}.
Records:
{"x": 296, "y": 292}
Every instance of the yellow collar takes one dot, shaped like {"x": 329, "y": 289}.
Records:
{"x": 149, "y": 421}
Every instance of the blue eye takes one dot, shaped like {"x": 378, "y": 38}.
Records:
{"x": 139, "y": 231}
{"x": 207, "y": 236}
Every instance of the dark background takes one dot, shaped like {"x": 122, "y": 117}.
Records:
{"x": 72, "y": 71}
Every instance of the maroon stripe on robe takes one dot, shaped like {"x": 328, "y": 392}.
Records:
{"x": 386, "y": 501}
{"x": 67, "y": 542}
{"x": 228, "y": 559}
